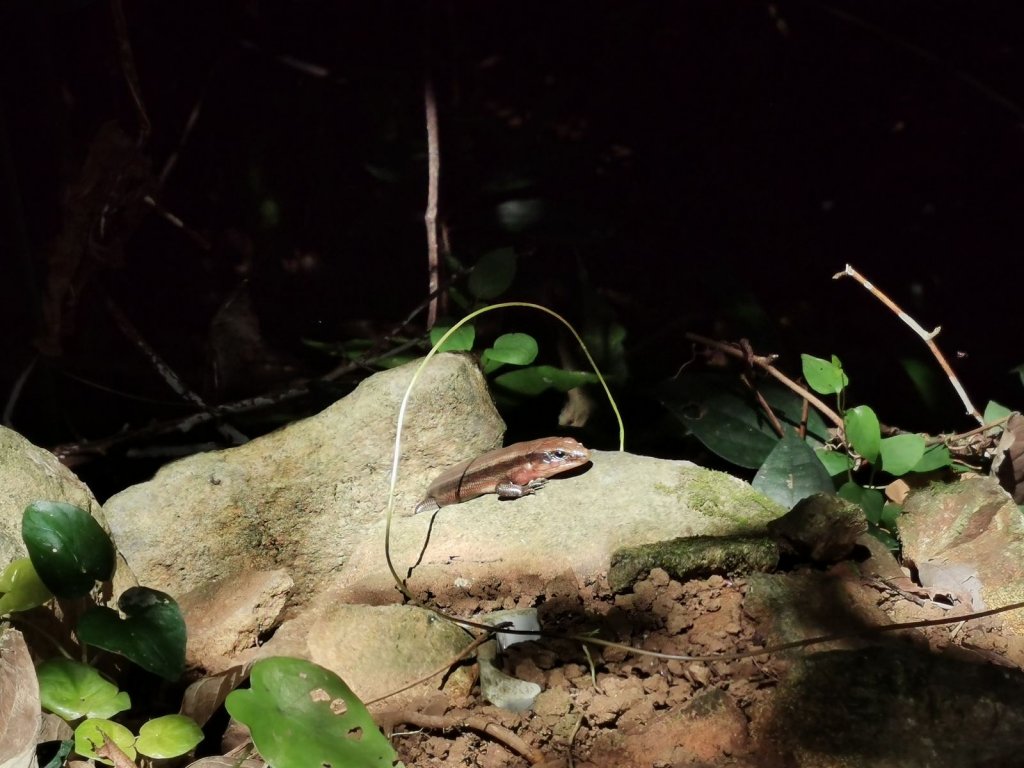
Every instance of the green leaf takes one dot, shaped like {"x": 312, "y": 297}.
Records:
{"x": 823, "y": 376}
{"x": 935, "y": 457}
{"x": 460, "y": 341}
{"x": 69, "y": 549}
{"x": 901, "y": 453}
{"x": 168, "y": 736}
{"x": 835, "y": 462}
{"x": 152, "y": 635}
{"x": 792, "y": 472}
{"x": 995, "y": 411}
{"x": 517, "y": 216}
{"x": 870, "y": 500}
{"x": 512, "y": 348}
{"x": 539, "y": 378}
{"x": 74, "y": 690}
{"x": 22, "y": 587}
{"x": 729, "y": 421}
{"x": 863, "y": 432}
{"x": 493, "y": 274}
{"x": 89, "y": 737}
{"x": 300, "y": 714}
{"x": 890, "y": 514}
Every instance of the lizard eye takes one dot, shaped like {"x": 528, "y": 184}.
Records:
{"x": 560, "y": 454}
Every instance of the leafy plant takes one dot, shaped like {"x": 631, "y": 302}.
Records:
{"x": 69, "y": 553}
{"x": 861, "y": 439}
{"x": 301, "y": 714}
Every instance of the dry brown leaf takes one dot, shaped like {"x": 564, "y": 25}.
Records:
{"x": 1008, "y": 466}
{"x": 205, "y": 696}
{"x": 19, "y": 702}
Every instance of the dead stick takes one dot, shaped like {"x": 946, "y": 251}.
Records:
{"x": 928, "y": 337}
{"x": 433, "y": 185}
{"x": 765, "y": 363}
{"x": 495, "y": 731}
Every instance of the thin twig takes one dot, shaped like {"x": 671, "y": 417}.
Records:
{"x": 433, "y": 187}
{"x": 131, "y": 75}
{"x": 927, "y": 336}
{"x": 765, "y": 363}
{"x": 495, "y": 731}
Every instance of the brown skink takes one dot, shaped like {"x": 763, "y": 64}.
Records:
{"x": 513, "y": 471}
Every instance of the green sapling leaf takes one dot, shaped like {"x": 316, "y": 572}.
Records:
{"x": 300, "y": 714}
{"x": 168, "y": 736}
{"x": 512, "y": 348}
{"x": 870, "y": 500}
{"x": 935, "y": 457}
{"x": 460, "y": 341}
{"x": 995, "y": 411}
{"x": 152, "y": 635}
{"x": 863, "y": 431}
{"x": 539, "y": 378}
{"x": 74, "y": 690}
{"x": 835, "y": 462}
{"x": 68, "y": 548}
{"x": 823, "y": 376}
{"x": 901, "y": 453}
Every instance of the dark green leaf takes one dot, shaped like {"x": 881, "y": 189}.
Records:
{"x": 823, "y": 376}
{"x": 74, "y": 690}
{"x": 901, "y": 453}
{"x": 536, "y": 379}
{"x": 69, "y": 549}
{"x": 792, "y": 472}
{"x": 727, "y": 419}
{"x": 460, "y": 341}
{"x": 493, "y": 274}
{"x": 300, "y": 714}
{"x": 152, "y": 635}
{"x": 863, "y": 432}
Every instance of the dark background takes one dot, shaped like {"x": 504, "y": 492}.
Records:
{"x": 700, "y": 165}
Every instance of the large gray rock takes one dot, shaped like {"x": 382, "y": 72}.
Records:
{"x": 303, "y": 498}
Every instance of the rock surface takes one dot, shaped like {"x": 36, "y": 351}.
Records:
{"x": 302, "y": 498}
{"x": 974, "y": 530}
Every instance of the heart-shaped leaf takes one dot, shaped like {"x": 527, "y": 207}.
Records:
{"x": 168, "y": 736}
{"x": 69, "y": 549}
{"x": 493, "y": 273}
{"x": 74, "y": 690}
{"x": 301, "y": 714}
{"x": 460, "y": 341}
{"x": 901, "y": 453}
{"x": 792, "y": 472}
{"x": 824, "y": 377}
{"x": 514, "y": 348}
{"x": 152, "y": 635}
{"x": 535, "y": 379}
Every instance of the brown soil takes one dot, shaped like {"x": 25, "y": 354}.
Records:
{"x": 619, "y": 709}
